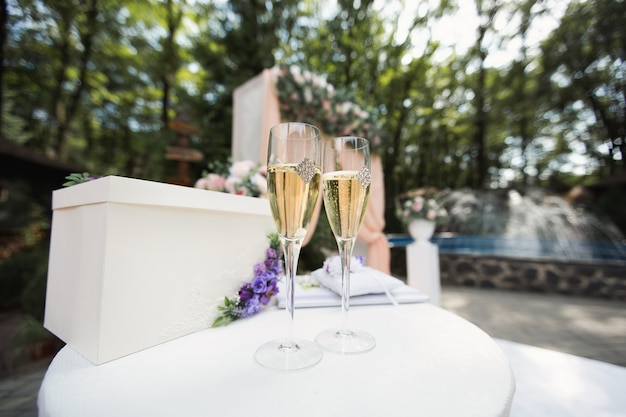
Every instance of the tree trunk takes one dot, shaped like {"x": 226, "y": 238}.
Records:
{"x": 480, "y": 124}
{"x": 64, "y": 111}
{"x": 4, "y": 15}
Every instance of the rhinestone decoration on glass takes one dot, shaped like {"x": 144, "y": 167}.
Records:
{"x": 364, "y": 177}
{"x": 306, "y": 169}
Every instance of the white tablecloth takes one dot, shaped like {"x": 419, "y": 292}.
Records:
{"x": 555, "y": 384}
{"x": 427, "y": 362}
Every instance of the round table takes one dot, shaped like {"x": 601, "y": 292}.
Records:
{"x": 427, "y": 362}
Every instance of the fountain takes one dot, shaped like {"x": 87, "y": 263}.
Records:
{"x": 534, "y": 225}
{"x": 534, "y": 241}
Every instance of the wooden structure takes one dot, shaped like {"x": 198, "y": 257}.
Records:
{"x": 182, "y": 153}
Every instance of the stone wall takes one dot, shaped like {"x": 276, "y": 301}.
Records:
{"x": 605, "y": 280}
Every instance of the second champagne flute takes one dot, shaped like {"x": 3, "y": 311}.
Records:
{"x": 293, "y": 183}
{"x": 346, "y": 188}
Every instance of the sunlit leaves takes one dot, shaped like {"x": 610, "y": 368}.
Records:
{"x": 539, "y": 114}
{"x": 586, "y": 58}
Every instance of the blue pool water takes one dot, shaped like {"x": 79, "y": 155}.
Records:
{"x": 522, "y": 248}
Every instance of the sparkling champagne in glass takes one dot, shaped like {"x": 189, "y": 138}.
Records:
{"x": 293, "y": 185}
{"x": 346, "y": 188}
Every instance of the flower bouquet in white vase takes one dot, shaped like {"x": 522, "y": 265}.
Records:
{"x": 421, "y": 214}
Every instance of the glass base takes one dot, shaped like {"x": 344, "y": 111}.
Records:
{"x": 353, "y": 341}
{"x": 288, "y": 355}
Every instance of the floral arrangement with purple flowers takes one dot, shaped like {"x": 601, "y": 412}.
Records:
{"x": 253, "y": 295}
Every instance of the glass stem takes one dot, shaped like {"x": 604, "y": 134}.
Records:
{"x": 291, "y": 249}
{"x": 345, "y": 253}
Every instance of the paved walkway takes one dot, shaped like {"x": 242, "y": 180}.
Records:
{"x": 590, "y": 328}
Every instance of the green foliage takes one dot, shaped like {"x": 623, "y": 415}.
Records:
{"x": 227, "y": 313}
{"x": 13, "y": 126}
{"x": 15, "y": 210}
{"x": 95, "y": 83}
{"x": 611, "y": 205}
{"x": 32, "y": 331}
{"x": 33, "y": 296}
{"x": 274, "y": 241}
{"x": 321, "y": 246}
{"x": 23, "y": 273}
{"x": 77, "y": 178}
{"x": 23, "y": 281}
{"x": 584, "y": 61}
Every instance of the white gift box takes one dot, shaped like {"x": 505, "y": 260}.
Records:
{"x": 136, "y": 263}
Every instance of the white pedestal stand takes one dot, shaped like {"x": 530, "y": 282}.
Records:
{"x": 422, "y": 263}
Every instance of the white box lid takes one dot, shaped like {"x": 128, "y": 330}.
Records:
{"x": 134, "y": 191}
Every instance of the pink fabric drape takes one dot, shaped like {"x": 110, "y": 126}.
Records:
{"x": 256, "y": 110}
{"x": 378, "y": 252}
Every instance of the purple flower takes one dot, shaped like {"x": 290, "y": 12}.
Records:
{"x": 246, "y": 292}
{"x": 273, "y": 265}
{"x": 271, "y": 290}
{"x": 251, "y": 307}
{"x": 259, "y": 285}
{"x": 268, "y": 276}
{"x": 256, "y": 293}
{"x": 259, "y": 268}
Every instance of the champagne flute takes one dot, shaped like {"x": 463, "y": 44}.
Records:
{"x": 293, "y": 185}
{"x": 346, "y": 187}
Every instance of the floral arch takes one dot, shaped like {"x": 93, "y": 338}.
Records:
{"x": 290, "y": 94}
